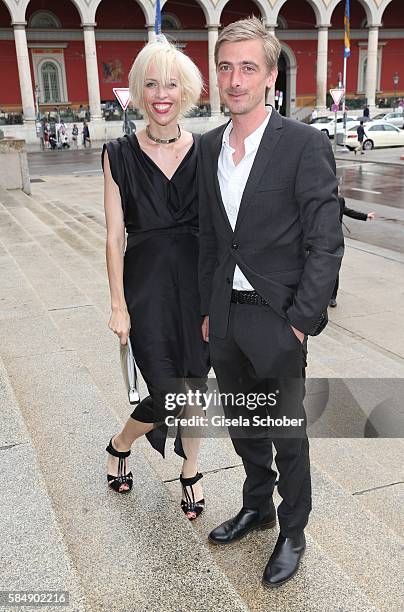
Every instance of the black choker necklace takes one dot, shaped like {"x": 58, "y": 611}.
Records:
{"x": 162, "y": 140}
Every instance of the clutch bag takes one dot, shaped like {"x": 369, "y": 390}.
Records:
{"x": 128, "y": 366}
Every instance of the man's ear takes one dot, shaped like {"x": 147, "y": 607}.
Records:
{"x": 272, "y": 76}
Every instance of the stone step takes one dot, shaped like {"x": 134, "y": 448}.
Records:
{"x": 56, "y": 216}
{"x": 141, "y": 540}
{"x": 357, "y": 464}
{"x": 29, "y": 562}
{"x": 73, "y": 348}
{"x": 349, "y": 546}
{"x": 321, "y": 577}
{"x": 367, "y": 350}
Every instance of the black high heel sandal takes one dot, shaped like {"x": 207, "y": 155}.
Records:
{"x": 191, "y": 508}
{"x": 116, "y": 482}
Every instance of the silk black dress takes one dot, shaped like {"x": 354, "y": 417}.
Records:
{"x": 160, "y": 276}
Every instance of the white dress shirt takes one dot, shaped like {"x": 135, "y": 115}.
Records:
{"x": 233, "y": 179}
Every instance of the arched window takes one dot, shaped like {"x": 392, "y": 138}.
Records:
{"x": 170, "y": 22}
{"x": 51, "y": 82}
{"x": 363, "y": 75}
{"x": 44, "y": 20}
{"x": 282, "y": 24}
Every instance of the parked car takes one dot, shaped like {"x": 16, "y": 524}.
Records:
{"x": 377, "y": 134}
{"x": 327, "y": 124}
{"x": 396, "y": 118}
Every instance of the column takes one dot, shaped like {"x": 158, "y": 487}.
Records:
{"x": 151, "y": 35}
{"x": 213, "y": 33}
{"x": 371, "y": 67}
{"x": 322, "y": 67}
{"x": 93, "y": 84}
{"x": 24, "y": 71}
{"x": 270, "y": 99}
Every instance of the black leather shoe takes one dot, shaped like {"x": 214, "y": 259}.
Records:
{"x": 284, "y": 561}
{"x": 245, "y": 521}
{"x": 332, "y": 303}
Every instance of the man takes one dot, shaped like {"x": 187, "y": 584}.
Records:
{"x": 270, "y": 249}
{"x": 360, "y": 130}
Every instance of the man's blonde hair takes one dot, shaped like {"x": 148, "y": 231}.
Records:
{"x": 251, "y": 29}
{"x": 165, "y": 55}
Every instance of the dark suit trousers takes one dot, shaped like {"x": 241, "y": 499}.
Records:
{"x": 261, "y": 354}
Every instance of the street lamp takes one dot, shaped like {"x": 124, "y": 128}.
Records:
{"x": 396, "y": 80}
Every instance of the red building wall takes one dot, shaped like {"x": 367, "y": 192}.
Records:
{"x": 392, "y": 61}
{"x": 108, "y": 52}
{"x": 120, "y": 15}
{"x": 10, "y": 85}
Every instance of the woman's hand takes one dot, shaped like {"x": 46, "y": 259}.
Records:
{"x": 119, "y": 323}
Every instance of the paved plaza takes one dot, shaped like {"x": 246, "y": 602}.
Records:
{"x": 62, "y": 397}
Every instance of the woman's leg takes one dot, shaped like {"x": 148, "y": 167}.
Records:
{"x": 123, "y": 441}
{"x": 191, "y": 438}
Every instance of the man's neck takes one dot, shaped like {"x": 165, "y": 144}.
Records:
{"x": 244, "y": 125}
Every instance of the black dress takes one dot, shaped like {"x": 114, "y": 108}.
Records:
{"x": 160, "y": 276}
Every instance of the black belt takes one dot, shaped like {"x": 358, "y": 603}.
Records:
{"x": 247, "y": 297}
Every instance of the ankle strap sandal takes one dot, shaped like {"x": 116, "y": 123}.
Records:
{"x": 123, "y": 482}
{"x": 191, "y": 508}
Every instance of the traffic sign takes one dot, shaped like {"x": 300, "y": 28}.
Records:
{"x": 122, "y": 95}
{"x": 337, "y": 95}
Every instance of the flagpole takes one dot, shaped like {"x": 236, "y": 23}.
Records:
{"x": 347, "y": 53}
{"x": 344, "y": 86}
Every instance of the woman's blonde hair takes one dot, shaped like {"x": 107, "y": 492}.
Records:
{"x": 165, "y": 55}
{"x": 251, "y": 29}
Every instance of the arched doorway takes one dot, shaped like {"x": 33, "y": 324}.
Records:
{"x": 281, "y": 93}
{"x": 286, "y": 81}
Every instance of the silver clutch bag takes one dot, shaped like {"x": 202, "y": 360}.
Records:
{"x": 128, "y": 366}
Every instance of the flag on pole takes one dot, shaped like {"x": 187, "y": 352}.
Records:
{"x": 347, "y": 30}
{"x": 157, "y": 22}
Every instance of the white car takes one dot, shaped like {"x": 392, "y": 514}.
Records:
{"x": 396, "y": 118}
{"x": 377, "y": 134}
{"x": 327, "y": 124}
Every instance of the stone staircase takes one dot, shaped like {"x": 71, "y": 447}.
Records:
{"x": 61, "y": 399}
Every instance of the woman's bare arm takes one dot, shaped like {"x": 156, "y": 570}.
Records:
{"x": 120, "y": 320}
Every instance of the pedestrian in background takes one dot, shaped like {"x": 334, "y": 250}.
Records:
{"x": 314, "y": 115}
{"x": 75, "y": 134}
{"x": 360, "y": 130}
{"x": 354, "y": 214}
{"x": 46, "y": 136}
{"x": 86, "y": 135}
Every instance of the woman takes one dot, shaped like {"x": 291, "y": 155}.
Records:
{"x": 354, "y": 214}
{"x": 150, "y": 190}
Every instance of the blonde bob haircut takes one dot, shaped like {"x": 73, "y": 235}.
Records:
{"x": 165, "y": 55}
{"x": 251, "y": 29}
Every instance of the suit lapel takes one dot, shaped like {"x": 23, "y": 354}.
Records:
{"x": 216, "y": 148}
{"x": 266, "y": 149}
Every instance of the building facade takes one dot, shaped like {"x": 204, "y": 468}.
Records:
{"x": 73, "y": 52}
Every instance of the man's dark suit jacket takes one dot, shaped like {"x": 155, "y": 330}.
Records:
{"x": 287, "y": 241}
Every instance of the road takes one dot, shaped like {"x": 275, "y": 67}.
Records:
{"x": 378, "y": 188}
{"x": 366, "y": 187}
